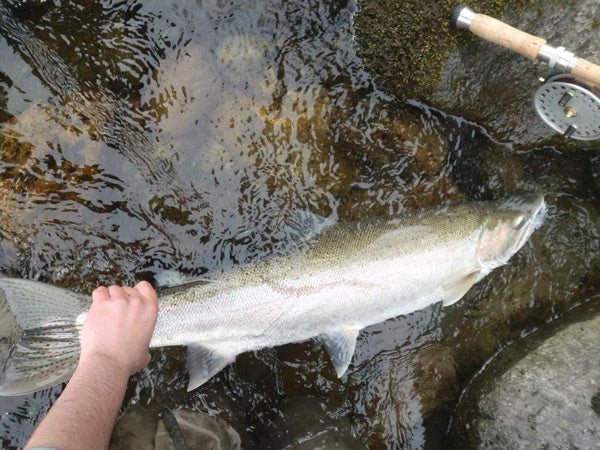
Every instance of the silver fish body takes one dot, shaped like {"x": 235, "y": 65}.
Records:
{"x": 347, "y": 277}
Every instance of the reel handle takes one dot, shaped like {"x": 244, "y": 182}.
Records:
{"x": 528, "y": 45}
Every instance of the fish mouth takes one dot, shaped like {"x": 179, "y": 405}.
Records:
{"x": 534, "y": 209}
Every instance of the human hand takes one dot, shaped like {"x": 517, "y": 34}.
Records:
{"x": 119, "y": 325}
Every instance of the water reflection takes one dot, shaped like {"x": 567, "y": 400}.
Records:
{"x": 138, "y": 136}
{"x": 20, "y": 414}
{"x": 90, "y": 70}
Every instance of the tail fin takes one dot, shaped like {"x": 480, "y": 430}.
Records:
{"x": 39, "y": 335}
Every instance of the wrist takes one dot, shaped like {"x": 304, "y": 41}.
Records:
{"x": 102, "y": 365}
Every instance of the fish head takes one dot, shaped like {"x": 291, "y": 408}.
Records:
{"x": 506, "y": 228}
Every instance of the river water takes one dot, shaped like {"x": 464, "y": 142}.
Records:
{"x": 138, "y": 137}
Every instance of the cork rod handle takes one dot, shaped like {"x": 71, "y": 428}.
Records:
{"x": 498, "y": 32}
{"x": 587, "y": 72}
{"x": 532, "y": 47}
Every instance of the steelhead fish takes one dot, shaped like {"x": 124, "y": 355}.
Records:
{"x": 348, "y": 276}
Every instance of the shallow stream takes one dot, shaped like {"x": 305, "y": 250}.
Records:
{"x": 138, "y": 137}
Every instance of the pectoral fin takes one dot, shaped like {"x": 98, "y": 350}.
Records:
{"x": 456, "y": 291}
{"x": 340, "y": 346}
{"x": 204, "y": 362}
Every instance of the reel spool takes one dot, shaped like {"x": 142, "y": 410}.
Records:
{"x": 569, "y": 107}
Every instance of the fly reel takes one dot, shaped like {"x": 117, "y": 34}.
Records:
{"x": 569, "y": 107}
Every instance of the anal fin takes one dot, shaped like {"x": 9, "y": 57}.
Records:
{"x": 340, "y": 345}
{"x": 205, "y": 362}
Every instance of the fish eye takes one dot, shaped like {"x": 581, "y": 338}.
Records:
{"x": 519, "y": 222}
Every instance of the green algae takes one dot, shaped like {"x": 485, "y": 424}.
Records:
{"x": 595, "y": 402}
{"x": 404, "y": 44}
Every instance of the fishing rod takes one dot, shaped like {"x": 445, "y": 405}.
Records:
{"x": 568, "y": 100}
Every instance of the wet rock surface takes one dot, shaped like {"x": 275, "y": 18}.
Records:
{"x": 537, "y": 393}
{"x": 309, "y": 427}
{"x": 405, "y": 44}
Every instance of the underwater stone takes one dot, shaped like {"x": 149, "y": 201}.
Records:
{"x": 535, "y": 394}
{"x": 304, "y": 425}
{"x": 243, "y": 58}
{"x": 436, "y": 378}
{"x": 187, "y": 87}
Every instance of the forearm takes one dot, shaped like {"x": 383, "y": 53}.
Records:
{"x": 85, "y": 413}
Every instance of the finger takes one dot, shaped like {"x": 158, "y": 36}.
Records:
{"x": 146, "y": 290}
{"x": 116, "y": 291}
{"x": 129, "y": 291}
{"x": 100, "y": 293}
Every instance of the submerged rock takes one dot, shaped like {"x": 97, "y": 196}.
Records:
{"x": 243, "y": 57}
{"x": 307, "y": 426}
{"x": 405, "y": 43}
{"x": 537, "y": 393}
{"x": 185, "y": 90}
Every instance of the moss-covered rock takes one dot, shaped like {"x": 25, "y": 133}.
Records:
{"x": 405, "y": 44}
{"x": 596, "y": 402}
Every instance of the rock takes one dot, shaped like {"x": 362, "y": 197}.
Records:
{"x": 330, "y": 439}
{"x": 412, "y": 51}
{"x": 536, "y": 394}
{"x": 186, "y": 89}
{"x": 243, "y": 58}
{"x": 307, "y": 426}
{"x": 41, "y": 132}
{"x": 435, "y": 378}
{"x": 484, "y": 169}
